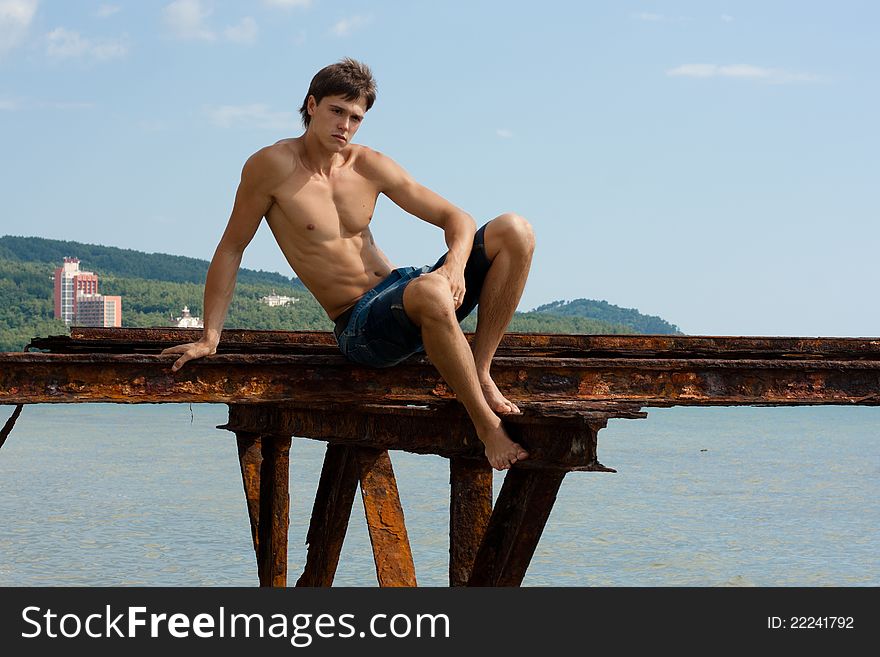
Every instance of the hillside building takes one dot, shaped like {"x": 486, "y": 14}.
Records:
{"x": 276, "y": 300}
{"x": 77, "y": 301}
{"x": 188, "y": 321}
{"x": 98, "y": 310}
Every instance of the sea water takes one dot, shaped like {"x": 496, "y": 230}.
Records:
{"x": 151, "y": 495}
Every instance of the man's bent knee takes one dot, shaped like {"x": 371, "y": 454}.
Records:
{"x": 514, "y": 233}
{"x": 428, "y": 299}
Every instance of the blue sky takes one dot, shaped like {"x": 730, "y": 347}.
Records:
{"x": 714, "y": 163}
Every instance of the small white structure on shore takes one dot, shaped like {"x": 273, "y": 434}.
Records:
{"x": 188, "y": 321}
{"x": 276, "y": 300}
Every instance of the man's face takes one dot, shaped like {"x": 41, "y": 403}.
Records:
{"x": 335, "y": 120}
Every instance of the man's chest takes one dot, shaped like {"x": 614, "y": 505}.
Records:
{"x": 339, "y": 207}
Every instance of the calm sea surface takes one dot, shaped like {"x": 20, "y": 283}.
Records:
{"x": 117, "y": 495}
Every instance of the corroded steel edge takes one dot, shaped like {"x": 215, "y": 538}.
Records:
{"x": 520, "y": 344}
{"x": 510, "y": 339}
{"x": 56, "y": 378}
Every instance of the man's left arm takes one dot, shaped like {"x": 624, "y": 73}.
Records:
{"x": 416, "y": 199}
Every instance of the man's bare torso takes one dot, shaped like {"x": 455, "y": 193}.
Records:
{"x": 321, "y": 222}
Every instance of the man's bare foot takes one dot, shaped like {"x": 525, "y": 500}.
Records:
{"x": 497, "y": 402}
{"x": 501, "y": 451}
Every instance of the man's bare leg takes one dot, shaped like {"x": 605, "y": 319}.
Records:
{"x": 510, "y": 243}
{"x": 428, "y": 303}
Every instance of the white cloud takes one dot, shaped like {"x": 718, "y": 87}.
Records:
{"x": 244, "y": 32}
{"x": 646, "y": 16}
{"x": 9, "y": 105}
{"x": 504, "y": 133}
{"x": 739, "y": 71}
{"x": 104, "y": 50}
{"x": 287, "y": 4}
{"x": 256, "y": 115}
{"x": 727, "y": 18}
{"x": 186, "y": 20}
{"x": 67, "y": 44}
{"x": 107, "y": 10}
{"x": 346, "y": 26}
{"x": 15, "y": 19}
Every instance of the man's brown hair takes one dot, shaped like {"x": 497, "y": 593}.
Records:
{"x": 348, "y": 78}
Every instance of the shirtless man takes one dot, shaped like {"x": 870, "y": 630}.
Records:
{"x": 317, "y": 193}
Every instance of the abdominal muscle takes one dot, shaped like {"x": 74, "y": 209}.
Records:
{"x": 337, "y": 271}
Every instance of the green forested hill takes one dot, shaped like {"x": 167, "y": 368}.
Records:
{"x": 155, "y": 287}
{"x": 26, "y": 306}
{"x": 606, "y": 312}
{"x": 534, "y": 322}
{"x": 27, "y": 311}
{"x": 126, "y": 262}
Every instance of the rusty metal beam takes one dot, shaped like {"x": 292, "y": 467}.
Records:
{"x": 470, "y": 506}
{"x": 139, "y": 378}
{"x": 567, "y": 442}
{"x": 152, "y": 340}
{"x": 517, "y": 521}
{"x": 330, "y": 514}
{"x": 384, "y": 513}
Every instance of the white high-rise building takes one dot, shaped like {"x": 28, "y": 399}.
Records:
{"x": 70, "y": 281}
{"x": 77, "y": 300}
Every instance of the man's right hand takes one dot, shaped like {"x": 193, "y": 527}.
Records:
{"x": 190, "y": 351}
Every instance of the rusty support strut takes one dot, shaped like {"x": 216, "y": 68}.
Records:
{"x": 265, "y": 473}
{"x": 391, "y": 550}
{"x": 330, "y": 514}
{"x": 470, "y": 506}
{"x": 520, "y": 513}
{"x": 250, "y": 458}
{"x": 7, "y": 428}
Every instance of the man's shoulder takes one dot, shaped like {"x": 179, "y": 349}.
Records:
{"x": 284, "y": 151}
{"x": 368, "y": 155}
{"x": 373, "y": 164}
{"x": 278, "y": 159}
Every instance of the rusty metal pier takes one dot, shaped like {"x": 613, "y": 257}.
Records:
{"x": 281, "y": 384}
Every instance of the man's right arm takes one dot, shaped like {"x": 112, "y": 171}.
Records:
{"x": 252, "y": 202}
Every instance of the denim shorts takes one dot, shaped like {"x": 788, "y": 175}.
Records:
{"x": 377, "y": 332}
